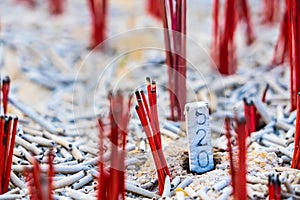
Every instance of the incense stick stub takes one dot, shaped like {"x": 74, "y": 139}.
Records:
{"x": 199, "y": 136}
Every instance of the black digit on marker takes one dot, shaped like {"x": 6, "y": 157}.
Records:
{"x": 202, "y": 134}
{"x": 201, "y": 118}
{"x": 203, "y": 159}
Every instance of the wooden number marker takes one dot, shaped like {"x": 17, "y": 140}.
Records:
{"x": 199, "y": 135}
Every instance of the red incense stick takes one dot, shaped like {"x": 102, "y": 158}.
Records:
{"x": 271, "y": 11}
{"x": 10, "y": 155}
{"x": 56, "y": 7}
{"x": 2, "y": 147}
{"x": 6, "y": 142}
{"x": 98, "y": 10}
{"x": 274, "y": 186}
{"x": 5, "y": 91}
{"x": 214, "y": 49}
{"x": 241, "y": 187}
{"x": 237, "y": 159}
{"x": 295, "y": 159}
{"x": 245, "y": 15}
{"x": 271, "y": 187}
{"x": 153, "y": 9}
{"x": 281, "y": 47}
{"x": 250, "y": 116}
{"x": 294, "y": 45}
{"x": 102, "y": 178}
{"x": 253, "y": 118}
{"x": 115, "y": 112}
{"x": 277, "y": 188}
{"x": 229, "y": 149}
{"x": 51, "y": 174}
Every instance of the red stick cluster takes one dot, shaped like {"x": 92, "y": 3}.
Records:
{"x": 237, "y": 159}
{"x": 294, "y": 49}
{"x": 56, "y": 7}
{"x": 149, "y": 119}
{"x": 175, "y": 43}
{"x": 40, "y": 185}
{"x": 111, "y": 183}
{"x": 8, "y": 131}
{"x": 274, "y": 186}
{"x": 223, "y": 43}
{"x": 153, "y": 9}
{"x": 98, "y": 9}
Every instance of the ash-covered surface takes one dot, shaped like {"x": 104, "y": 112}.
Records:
{"x": 55, "y": 75}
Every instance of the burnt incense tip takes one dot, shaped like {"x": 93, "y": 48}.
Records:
{"x": 6, "y": 80}
{"x": 137, "y": 107}
{"x": 130, "y": 96}
{"x": 269, "y": 178}
{"x": 267, "y": 85}
{"x": 119, "y": 93}
{"x": 137, "y": 94}
{"x": 109, "y": 94}
{"x": 245, "y": 100}
{"x": 148, "y": 80}
{"x": 153, "y": 82}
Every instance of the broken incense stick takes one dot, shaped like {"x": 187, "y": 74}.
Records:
{"x": 68, "y": 180}
{"x": 140, "y": 191}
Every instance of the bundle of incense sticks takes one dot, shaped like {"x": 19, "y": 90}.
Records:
{"x": 281, "y": 46}
{"x": 153, "y": 9}
{"x": 8, "y": 131}
{"x": 98, "y": 10}
{"x": 296, "y": 154}
{"x": 56, "y": 7}
{"x": 271, "y": 11}
{"x": 174, "y": 21}
{"x": 223, "y": 42}
{"x": 40, "y": 185}
{"x": 148, "y": 116}
{"x": 111, "y": 183}
{"x": 294, "y": 49}
{"x": 274, "y": 186}
{"x": 237, "y": 159}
